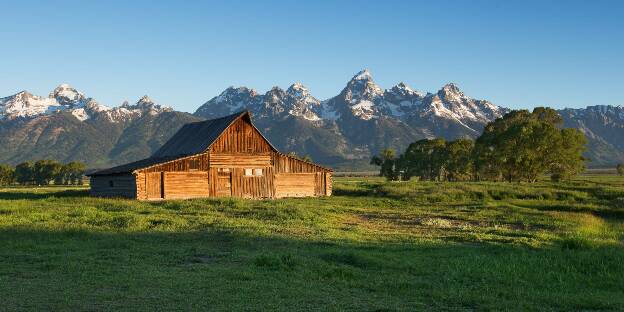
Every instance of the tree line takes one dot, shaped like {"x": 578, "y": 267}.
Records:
{"x": 520, "y": 146}
{"x": 42, "y": 172}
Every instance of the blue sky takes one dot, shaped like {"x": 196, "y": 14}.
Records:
{"x": 517, "y": 54}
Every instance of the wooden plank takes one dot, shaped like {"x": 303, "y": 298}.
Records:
{"x": 239, "y": 160}
{"x": 181, "y": 185}
{"x": 295, "y": 184}
{"x": 224, "y": 183}
{"x": 154, "y": 183}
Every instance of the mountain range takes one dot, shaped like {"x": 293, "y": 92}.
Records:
{"x": 343, "y": 131}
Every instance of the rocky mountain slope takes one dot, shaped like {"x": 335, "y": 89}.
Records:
{"x": 343, "y": 131}
{"x": 68, "y": 126}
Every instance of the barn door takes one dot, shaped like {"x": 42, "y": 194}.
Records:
{"x": 224, "y": 182}
{"x": 154, "y": 185}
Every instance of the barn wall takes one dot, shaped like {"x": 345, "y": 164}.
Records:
{"x": 122, "y": 186}
{"x": 241, "y": 137}
{"x": 238, "y": 148}
{"x": 253, "y": 186}
{"x": 295, "y": 184}
{"x": 230, "y": 160}
{"x": 287, "y": 164}
{"x": 192, "y": 163}
{"x": 180, "y": 185}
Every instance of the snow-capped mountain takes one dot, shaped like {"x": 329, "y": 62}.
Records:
{"x": 66, "y": 125}
{"x": 342, "y": 131}
{"x": 275, "y": 103}
{"x": 361, "y": 100}
{"x": 65, "y": 98}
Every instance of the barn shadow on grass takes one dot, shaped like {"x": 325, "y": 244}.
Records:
{"x": 225, "y": 270}
{"x": 35, "y": 194}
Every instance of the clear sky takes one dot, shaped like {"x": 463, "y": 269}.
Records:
{"x": 182, "y": 53}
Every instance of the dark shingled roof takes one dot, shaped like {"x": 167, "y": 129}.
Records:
{"x": 193, "y": 138}
{"x": 127, "y": 168}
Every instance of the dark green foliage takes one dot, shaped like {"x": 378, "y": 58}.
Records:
{"x": 70, "y": 174}
{"x": 520, "y": 146}
{"x": 24, "y": 173}
{"x": 7, "y": 174}
{"x": 388, "y": 163}
{"x": 524, "y": 145}
{"x": 43, "y": 172}
{"x": 620, "y": 169}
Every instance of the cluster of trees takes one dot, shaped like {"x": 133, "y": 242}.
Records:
{"x": 620, "y": 169}
{"x": 42, "y": 172}
{"x": 520, "y": 146}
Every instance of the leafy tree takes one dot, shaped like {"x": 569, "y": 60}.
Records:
{"x": 567, "y": 155}
{"x": 620, "y": 169}
{"x": 45, "y": 170}
{"x": 24, "y": 173}
{"x": 388, "y": 163}
{"x": 522, "y": 145}
{"x": 6, "y": 174}
{"x": 459, "y": 161}
{"x": 74, "y": 172}
{"x": 425, "y": 159}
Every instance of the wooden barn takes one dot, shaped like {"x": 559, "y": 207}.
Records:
{"x": 220, "y": 157}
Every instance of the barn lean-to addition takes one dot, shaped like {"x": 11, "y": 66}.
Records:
{"x": 227, "y": 156}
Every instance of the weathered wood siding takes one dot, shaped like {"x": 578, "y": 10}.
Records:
{"x": 287, "y": 164}
{"x": 220, "y": 171}
{"x": 191, "y": 163}
{"x": 328, "y": 183}
{"x": 253, "y": 186}
{"x": 241, "y": 137}
{"x": 181, "y": 185}
{"x": 218, "y": 160}
{"x": 295, "y": 184}
{"x": 114, "y": 186}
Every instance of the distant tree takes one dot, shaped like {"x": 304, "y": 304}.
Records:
{"x": 387, "y": 161}
{"x": 459, "y": 161}
{"x": 568, "y": 160}
{"x": 425, "y": 159}
{"x": 7, "y": 174}
{"x": 24, "y": 173}
{"x": 522, "y": 145}
{"x": 74, "y": 171}
{"x": 45, "y": 170}
{"x": 620, "y": 169}
{"x": 62, "y": 177}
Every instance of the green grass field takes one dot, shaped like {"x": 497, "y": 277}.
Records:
{"x": 373, "y": 246}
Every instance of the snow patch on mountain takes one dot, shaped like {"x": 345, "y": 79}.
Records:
{"x": 66, "y": 98}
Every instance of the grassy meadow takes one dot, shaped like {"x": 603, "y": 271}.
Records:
{"x": 373, "y": 246}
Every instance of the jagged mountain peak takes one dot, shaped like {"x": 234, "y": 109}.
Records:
{"x": 403, "y": 90}
{"x": 298, "y": 89}
{"x": 364, "y": 74}
{"x": 67, "y": 95}
{"x": 451, "y": 91}
{"x": 145, "y": 100}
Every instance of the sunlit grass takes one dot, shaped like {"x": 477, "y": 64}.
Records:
{"x": 374, "y": 245}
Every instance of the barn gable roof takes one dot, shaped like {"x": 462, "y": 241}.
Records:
{"x": 193, "y": 138}
{"x": 197, "y": 137}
